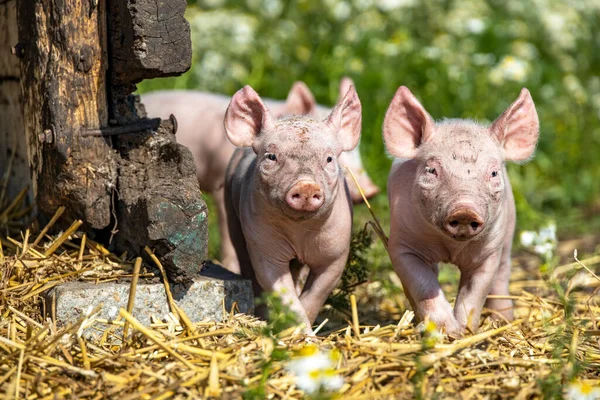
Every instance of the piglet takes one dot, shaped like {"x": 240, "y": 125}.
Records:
{"x": 286, "y": 198}
{"x": 451, "y": 201}
{"x": 200, "y": 119}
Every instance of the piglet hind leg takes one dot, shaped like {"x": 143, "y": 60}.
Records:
{"x": 475, "y": 284}
{"x": 421, "y": 286}
{"x": 503, "y": 307}
{"x": 228, "y": 253}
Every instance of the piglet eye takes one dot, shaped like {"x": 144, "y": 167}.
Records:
{"x": 494, "y": 174}
{"x": 431, "y": 170}
{"x": 329, "y": 159}
{"x": 272, "y": 157}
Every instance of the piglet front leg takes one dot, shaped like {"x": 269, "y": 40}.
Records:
{"x": 275, "y": 276}
{"x": 475, "y": 284}
{"x": 421, "y": 286}
{"x": 320, "y": 283}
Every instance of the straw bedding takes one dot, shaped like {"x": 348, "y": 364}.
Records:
{"x": 555, "y": 338}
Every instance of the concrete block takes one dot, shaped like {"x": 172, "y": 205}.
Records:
{"x": 210, "y": 296}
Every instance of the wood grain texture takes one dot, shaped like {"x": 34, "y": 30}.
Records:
{"x": 63, "y": 82}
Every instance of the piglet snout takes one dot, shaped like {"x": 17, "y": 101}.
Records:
{"x": 305, "y": 196}
{"x": 464, "y": 223}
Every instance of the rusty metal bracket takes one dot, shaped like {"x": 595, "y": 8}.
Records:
{"x": 143, "y": 125}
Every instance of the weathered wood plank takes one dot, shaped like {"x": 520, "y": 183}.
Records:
{"x": 63, "y": 83}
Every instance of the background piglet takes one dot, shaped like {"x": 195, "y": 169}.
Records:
{"x": 452, "y": 202}
{"x": 286, "y": 197}
{"x": 200, "y": 128}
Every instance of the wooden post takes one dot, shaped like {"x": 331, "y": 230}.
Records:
{"x": 63, "y": 83}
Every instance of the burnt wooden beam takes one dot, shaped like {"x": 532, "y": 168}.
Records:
{"x": 159, "y": 202}
{"x": 148, "y": 39}
{"x": 63, "y": 86}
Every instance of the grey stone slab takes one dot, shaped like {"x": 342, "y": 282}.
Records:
{"x": 209, "y": 297}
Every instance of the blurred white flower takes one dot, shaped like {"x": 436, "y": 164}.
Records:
{"x": 389, "y": 5}
{"x": 579, "y": 390}
{"x": 527, "y": 238}
{"x": 548, "y": 233}
{"x": 212, "y": 63}
{"x": 548, "y": 92}
{"x": 341, "y": 11}
{"x": 314, "y": 370}
{"x": 475, "y": 26}
{"x": 363, "y": 4}
{"x": 320, "y": 379}
{"x": 483, "y": 59}
{"x": 525, "y": 50}
{"x": 514, "y": 69}
{"x": 242, "y": 33}
{"x": 543, "y": 242}
{"x": 544, "y": 249}
{"x": 384, "y": 48}
{"x": 214, "y": 3}
{"x": 432, "y": 53}
{"x": 574, "y": 87}
{"x": 272, "y": 8}
{"x": 510, "y": 68}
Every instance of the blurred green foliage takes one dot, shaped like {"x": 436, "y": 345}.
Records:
{"x": 464, "y": 59}
{"x": 461, "y": 59}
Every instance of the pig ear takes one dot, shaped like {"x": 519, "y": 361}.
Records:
{"x": 300, "y": 100}
{"x": 517, "y": 128}
{"x": 406, "y": 125}
{"x": 346, "y": 119}
{"x": 246, "y": 117}
{"x": 345, "y": 84}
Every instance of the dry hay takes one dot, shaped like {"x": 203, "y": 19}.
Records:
{"x": 553, "y": 340}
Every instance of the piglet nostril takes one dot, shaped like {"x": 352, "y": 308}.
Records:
{"x": 464, "y": 223}
{"x": 305, "y": 196}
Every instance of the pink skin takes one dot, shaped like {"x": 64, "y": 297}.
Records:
{"x": 200, "y": 128}
{"x": 286, "y": 198}
{"x": 451, "y": 201}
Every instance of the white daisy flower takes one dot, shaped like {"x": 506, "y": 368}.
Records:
{"x": 315, "y": 370}
{"x": 578, "y": 390}
{"x": 527, "y": 238}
